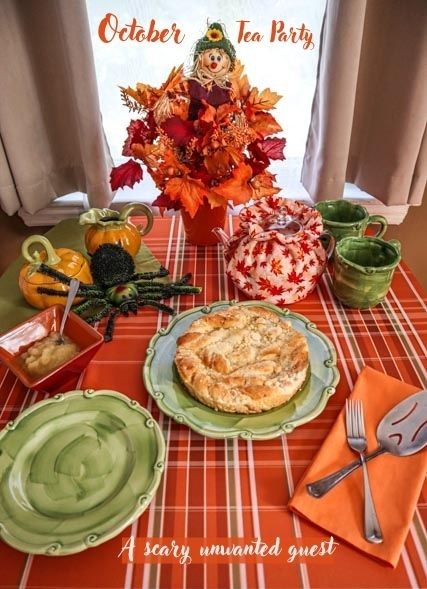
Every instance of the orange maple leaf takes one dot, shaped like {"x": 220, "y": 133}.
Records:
{"x": 239, "y": 82}
{"x": 172, "y": 166}
{"x": 262, "y": 185}
{"x": 175, "y": 78}
{"x": 264, "y": 100}
{"x": 188, "y": 191}
{"x": 145, "y": 94}
{"x": 216, "y": 200}
{"x": 219, "y": 163}
{"x": 149, "y": 153}
{"x": 224, "y": 110}
{"x": 276, "y": 266}
{"x": 264, "y": 124}
{"x": 237, "y": 188}
{"x": 148, "y": 96}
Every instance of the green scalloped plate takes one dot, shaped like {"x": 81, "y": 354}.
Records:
{"x": 76, "y": 470}
{"x": 163, "y": 383}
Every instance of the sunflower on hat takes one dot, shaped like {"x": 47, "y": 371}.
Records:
{"x": 214, "y": 34}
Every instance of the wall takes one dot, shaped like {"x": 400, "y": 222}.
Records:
{"x": 412, "y": 233}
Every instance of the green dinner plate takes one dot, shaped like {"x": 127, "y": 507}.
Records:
{"x": 163, "y": 383}
{"x": 76, "y": 470}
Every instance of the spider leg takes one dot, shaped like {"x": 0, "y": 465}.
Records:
{"x": 109, "y": 330}
{"x": 124, "y": 308}
{"x": 184, "y": 279}
{"x": 93, "y": 303}
{"x": 64, "y": 279}
{"x": 160, "y": 273}
{"x": 52, "y": 273}
{"x": 64, "y": 293}
{"x": 133, "y": 307}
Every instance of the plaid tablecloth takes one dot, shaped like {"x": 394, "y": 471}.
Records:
{"x": 236, "y": 488}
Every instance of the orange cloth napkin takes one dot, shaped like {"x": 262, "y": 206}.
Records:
{"x": 396, "y": 482}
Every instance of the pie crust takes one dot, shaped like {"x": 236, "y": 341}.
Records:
{"x": 243, "y": 359}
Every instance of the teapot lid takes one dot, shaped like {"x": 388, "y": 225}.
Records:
{"x": 283, "y": 223}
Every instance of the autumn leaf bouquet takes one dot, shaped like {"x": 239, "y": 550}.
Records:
{"x": 206, "y": 138}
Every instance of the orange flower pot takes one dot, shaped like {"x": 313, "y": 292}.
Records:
{"x": 198, "y": 230}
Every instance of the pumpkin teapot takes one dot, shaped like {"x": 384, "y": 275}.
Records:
{"x": 70, "y": 262}
{"x": 277, "y": 254}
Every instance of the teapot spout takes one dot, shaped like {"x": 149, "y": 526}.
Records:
{"x": 221, "y": 235}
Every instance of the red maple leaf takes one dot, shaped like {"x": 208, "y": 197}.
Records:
{"x": 264, "y": 284}
{"x": 312, "y": 263}
{"x": 269, "y": 247}
{"x": 264, "y": 264}
{"x": 257, "y": 166}
{"x": 136, "y": 134}
{"x": 281, "y": 302}
{"x": 273, "y": 147}
{"x": 305, "y": 246}
{"x": 258, "y": 248}
{"x": 294, "y": 277}
{"x": 163, "y": 200}
{"x": 258, "y": 154}
{"x": 126, "y": 174}
{"x": 201, "y": 174}
{"x": 178, "y": 130}
{"x": 276, "y": 290}
{"x": 247, "y": 285}
{"x": 242, "y": 268}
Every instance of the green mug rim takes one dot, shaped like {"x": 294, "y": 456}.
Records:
{"x": 369, "y": 270}
{"x": 344, "y": 224}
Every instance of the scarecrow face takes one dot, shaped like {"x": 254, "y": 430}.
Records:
{"x": 215, "y": 61}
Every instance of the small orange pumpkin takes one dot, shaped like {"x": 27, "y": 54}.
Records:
{"x": 108, "y": 226}
{"x": 67, "y": 261}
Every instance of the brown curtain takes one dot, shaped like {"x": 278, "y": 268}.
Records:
{"x": 369, "y": 111}
{"x": 51, "y": 137}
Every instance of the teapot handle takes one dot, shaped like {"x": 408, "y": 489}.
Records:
{"x": 328, "y": 242}
{"x": 146, "y": 211}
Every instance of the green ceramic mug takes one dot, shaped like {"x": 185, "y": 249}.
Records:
{"x": 346, "y": 219}
{"x": 363, "y": 270}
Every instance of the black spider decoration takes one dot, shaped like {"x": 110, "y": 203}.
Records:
{"x": 117, "y": 289}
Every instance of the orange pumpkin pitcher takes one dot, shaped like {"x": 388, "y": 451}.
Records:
{"x": 109, "y": 226}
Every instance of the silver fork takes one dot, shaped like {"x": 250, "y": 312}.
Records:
{"x": 356, "y": 439}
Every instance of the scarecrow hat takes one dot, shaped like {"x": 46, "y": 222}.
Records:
{"x": 215, "y": 38}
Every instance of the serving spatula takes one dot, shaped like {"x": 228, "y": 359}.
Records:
{"x": 402, "y": 431}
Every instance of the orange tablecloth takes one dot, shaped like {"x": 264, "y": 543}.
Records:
{"x": 223, "y": 488}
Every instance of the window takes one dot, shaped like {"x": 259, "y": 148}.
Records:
{"x": 284, "y": 66}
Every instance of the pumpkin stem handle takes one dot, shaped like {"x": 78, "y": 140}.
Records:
{"x": 132, "y": 206}
{"x": 52, "y": 257}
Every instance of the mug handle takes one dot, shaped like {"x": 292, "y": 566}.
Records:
{"x": 382, "y": 221}
{"x": 397, "y": 245}
{"x": 330, "y": 243}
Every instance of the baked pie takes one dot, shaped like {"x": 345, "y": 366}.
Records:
{"x": 243, "y": 359}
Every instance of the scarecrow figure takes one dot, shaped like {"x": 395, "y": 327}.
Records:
{"x": 214, "y": 59}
